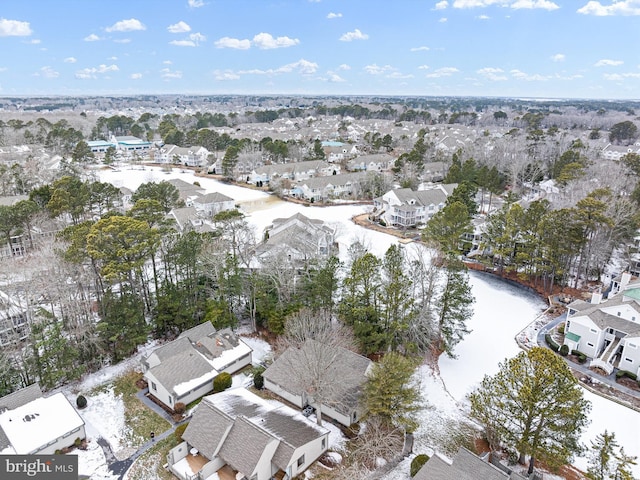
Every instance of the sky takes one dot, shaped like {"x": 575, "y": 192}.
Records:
{"x": 503, "y": 48}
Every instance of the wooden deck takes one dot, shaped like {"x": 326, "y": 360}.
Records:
{"x": 227, "y": 473}
{"x": 196, "y": 462}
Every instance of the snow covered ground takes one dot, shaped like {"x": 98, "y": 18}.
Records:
{"x": 500, "y": 312}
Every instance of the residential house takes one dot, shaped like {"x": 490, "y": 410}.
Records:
{"x": 434, "y": 171}
{"x": 194, "y": 156}
{"x": 245, "y": 165}
{"x": 32, "y": 424}
{"x": 254, "y": 438}
{"x": 378, "y": 162}
{"x": 283, "y": 377}
{"x": 608, "y": 331}
{"x": 294, "y": 171}
{"x": 183, "y": 370}
{"x": 321, "y": 189}
{"x": 188, "y": 219}
{"x": 404, "y": 207}
{"x": 187, "y": 191}
{"x": 213, "y": 203}
{"x": 614, "y": 152}
{"x": 299, "y": 237}
{"x": 465, "y": 466}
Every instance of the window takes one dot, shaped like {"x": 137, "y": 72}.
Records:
{"x": 593, "y": 330}
{"x": 153, "y": 386}
{"x": 301, "y": 461}
{"x": 627, "y": 359}
{"x": 324, "y": 443}
{"x": 632, "y": 345}
{"x": 589, "y": 344}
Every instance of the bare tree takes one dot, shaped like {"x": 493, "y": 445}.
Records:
{"x": 318, "y": 355}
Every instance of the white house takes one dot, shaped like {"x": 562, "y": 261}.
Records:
{"x": 294, "y": 171}
{"x": 614, "y": 152}
{"x": 378, "y": 162}
{"x": 608, "y": 331}
{"x": 33, "y": 424}
{"x": 183, "y": 370}
{"x": 253, "y": 438}
{"x": 404, "y": 207}
{"x": 300, "y": 237}
{"x": 188, "y": 219}
{"x": 283, "y": 377}
{"x": 325, "y": 188}
{"x": 194, "y": 156}
{"x": 212, "y": 203}
{"x": 465, "y": 466}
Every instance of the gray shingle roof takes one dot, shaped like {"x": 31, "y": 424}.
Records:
{"x": 348, "y": 366}
{"x": 214, "y": 197}
{"x": 465, "y": 466}
{"x": 180, "y": 368}
{"x": 244, "y": 445}
{"x": 604, "y": 320}
{"x": 335, "y": 180}
{"x": 196, "y": 333}
{"x": 20, "y": 397}
{"x": 207, "y": 429}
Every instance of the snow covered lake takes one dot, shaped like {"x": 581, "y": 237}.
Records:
{"x": 500, "y": 311}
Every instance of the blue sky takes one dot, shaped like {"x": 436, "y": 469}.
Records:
{"x": 521, "y": 48}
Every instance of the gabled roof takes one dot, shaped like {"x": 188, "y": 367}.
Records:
{"x": 335, "y": 180}
{"x": 282, "y": 168}
{"x": 207, "y": 429}
{"x": 465, "y": 466}
{"x": 346, "y": 365}
{"x": 213, "y": 197}
{"x": 595, "y": 312}
{"x": 244, "y": 445}
{"x": 20, "y": 397}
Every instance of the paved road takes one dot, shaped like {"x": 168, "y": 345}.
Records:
{"x": 609, "y": 380}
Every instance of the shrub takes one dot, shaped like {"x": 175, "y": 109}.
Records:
{"x": 179, "y": 408}
{"x": 179, "y": 431}
{"x": 77, "y": 442}
{"x": 581, "y": 356}
{"x": 552, "y": 345}
{"x": 221, "y": 382}
{"x": 564, "y": 350}
{"x": 627, "y": 374}
{"x": 561, "y": 328}
{"x": 417, "y": 463}
{"x": 81, "y": 401}
{"x": 258, "y": 380}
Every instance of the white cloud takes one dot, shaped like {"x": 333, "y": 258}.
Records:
{"x": 122, "y": 40}
{"x": 514, "y": 4}
{"x": 130, "y": 25}
{"x": 92, "y": 38}
{"x": 520, "y": 75}
{"x": 169, "y": 74}
{"x": 493, "y": 74}
{"x": 334, "y": 15}
{"x": 225, "y": 75}
{"x": 443, "y": 20}
{"x": 423, "y": 67}
{"x": 95, "y": 71}
{"x": 47, "y": 72}
{"x": 113, "y": 58}
{"x": 620, "y": 76}
{"x": 483, "y": 17}
{"x": 355, "y": 35}
{"x": 419, "y": 49}
{"x": 301, "y": 66}
{"x": 334, "y": 77}
{"x": 236, "y": 43}
{"x": 398, "y": 75}
{"x": 441, "y": 5}
{"x": 167, "y": 62}
{"x": 34, "y": 41}
{"x": 606, "y": 62}
{"x": 70, "y": 60}
{"x": 378, "y": 70}
{"x": 266, "y": 41}
{"x": 180, "y": 27}
{"x": 344, "y": 66}
{"x": 193, "y": 41}
{"x": 135, "y": 76}
{"x": 558, "y": 57}
{"x": 14, "y": 28}
{"x": 443, "y": 72}
{"x": 195, "y": 3}
{"x": 618, "y": 7}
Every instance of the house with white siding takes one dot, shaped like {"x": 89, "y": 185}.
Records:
{"x": 33, "y": 424}
{"x": 183, "y": 370}
{"x": 608, "y": 331}
{"x": 248, "y": 437}
{"x": 403, "y": 207}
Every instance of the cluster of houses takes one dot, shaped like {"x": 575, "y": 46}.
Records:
{"x": 607, "y": 329}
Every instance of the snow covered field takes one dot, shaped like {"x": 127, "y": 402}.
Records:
{"x": 501, "y": 311}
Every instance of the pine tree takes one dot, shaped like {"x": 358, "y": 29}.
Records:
{"x": 454, "y": 306}
{"x": 534, "y": 405}
{"x": 607, "y": 459}
{"x": 390, "y": 392}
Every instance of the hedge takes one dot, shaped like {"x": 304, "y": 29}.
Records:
{"x": 564, "y": 350}
{"x": 417, "y": 463}
{"x": 627, "y": 374}
{"x": 552, "y": 345}
{"x": 221, "y": 382}
{"x": 581, "y": 356}
{"x": 81, "y": 401}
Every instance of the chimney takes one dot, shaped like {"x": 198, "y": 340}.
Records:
{"x": 596, "y": 298}
{"x": 624, "y": 281}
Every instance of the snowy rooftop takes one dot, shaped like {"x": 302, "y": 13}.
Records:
{"x": 39, "y": 422}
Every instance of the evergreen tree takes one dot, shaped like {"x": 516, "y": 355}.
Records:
{"x": 534, "y": 405}
{"x": 607, "y": 459}
{"x": 390, "y": 392}
{"x": 454, "y": 306}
